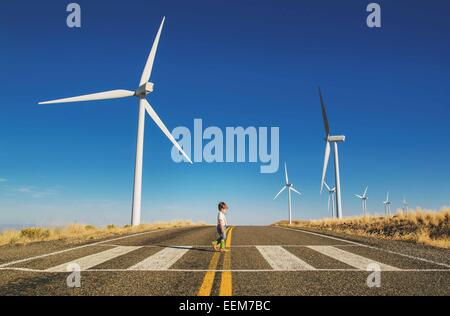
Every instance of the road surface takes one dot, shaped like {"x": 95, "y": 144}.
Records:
{"x": 262, "y": 261}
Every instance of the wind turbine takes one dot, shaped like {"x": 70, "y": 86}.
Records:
{"x": 290, "y": 188}
{"x": 145, "y": 87}
{"x": 405, "y": 207}
{"x": 363, "y": 198}
{"x": 331, "y": 139}
{"x": 331, "y": 201}
{"x": 387, "y": 205}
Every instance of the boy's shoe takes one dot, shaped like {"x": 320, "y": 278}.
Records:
{"x": 215, "y": 245}
{"x": 224, "y": 250}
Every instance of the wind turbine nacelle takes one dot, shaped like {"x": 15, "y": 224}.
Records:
{"x": 340, "y": 138}
{"x": 145, "y": 89}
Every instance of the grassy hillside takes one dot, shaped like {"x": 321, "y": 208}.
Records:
{"x": 420, "y": 226}
{"x": 80, "y": 233}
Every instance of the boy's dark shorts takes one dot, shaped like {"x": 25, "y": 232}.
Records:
{"x": 222, "y": 235}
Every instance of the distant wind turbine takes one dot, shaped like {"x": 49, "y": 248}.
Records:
{"x": 335, "y": 140}
{"x": 363, "y": 198}
{"x": 145, "y": 87}
{"x": 331, "y": 199}
{"x": 387, "y": 205}
{"x": 290, "y": 188}
{"x": 405, "y": 206}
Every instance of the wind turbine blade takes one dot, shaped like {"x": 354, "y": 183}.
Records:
{"x": 284, "y": 188}
{"x": 324, "y": 115}
{"x": 292, "y": 189}
{"x": 286, "y": 173}
{"x": 325, "y": 164}
{"x": 114, "y": 94}
{"x": 151, "y": 57}
{"x": 164, "y": 129}
{"x": 359, "y": 196}
{"x": 365, "y": 191}
{"x": 326, "y": 185}
{"x": 387, "y": 197}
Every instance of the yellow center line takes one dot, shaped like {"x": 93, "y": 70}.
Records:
{"x": 206, "y": 287}
{"x": 226, "y": 288}
{"x": 208, "y": 280}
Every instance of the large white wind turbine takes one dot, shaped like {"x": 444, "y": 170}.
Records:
{"x": 331, "y": 139}
{"x": 387, "y": 205}
{"x": 290, "y": 188}
{"x": 331, "y": 199}
{"x": 363, "y": 198}
{"x": 145, "y": 87}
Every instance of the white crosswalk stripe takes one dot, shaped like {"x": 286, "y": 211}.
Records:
{"x": 351, "y": 259}
{"x": 95, "y": 259}
{"x": 162, "y": 260}
{"x": 281, "y": 259}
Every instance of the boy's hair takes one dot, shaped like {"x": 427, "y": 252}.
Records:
{"x": 222, "y": 206}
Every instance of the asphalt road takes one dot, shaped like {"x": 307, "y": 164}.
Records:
{"x": 262, "y": 261}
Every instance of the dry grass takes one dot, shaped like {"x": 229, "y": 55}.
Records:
{"x": 426, "y": 227}
{"x": 79, "y": 233}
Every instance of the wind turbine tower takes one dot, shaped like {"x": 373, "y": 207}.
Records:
{"x": 329, "y": 139}
{"x": 331, "y": 199}
{"x": 405, "y": 206}
{"x": 289, "y": 187}
{"x": 387, "y": 205}
{"x": 363, "y": 198}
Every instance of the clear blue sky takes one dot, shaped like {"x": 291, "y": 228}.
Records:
{"x": 231, "y": 63}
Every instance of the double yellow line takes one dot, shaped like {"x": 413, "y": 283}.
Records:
{"x": 226, "y": 288}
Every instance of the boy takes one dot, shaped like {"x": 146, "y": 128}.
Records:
{"x": 221, "y": 228}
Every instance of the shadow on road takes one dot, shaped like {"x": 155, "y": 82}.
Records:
{"x": 188, "y": 248}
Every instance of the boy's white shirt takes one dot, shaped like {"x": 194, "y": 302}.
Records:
{"x": 221, "y": 218}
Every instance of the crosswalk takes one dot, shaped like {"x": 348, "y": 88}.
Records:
{"x": 351, "y": 259}
{"x": 95, "y": 259}
{"x": 161, "y": 260}
{"x": 277, "y": 257}
{"x": 281, "y": 259}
